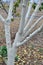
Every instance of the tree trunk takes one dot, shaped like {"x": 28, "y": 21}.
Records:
{"x": 11, "y": 56}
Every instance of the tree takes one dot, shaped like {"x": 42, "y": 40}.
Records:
{"x": 22, "y": 36}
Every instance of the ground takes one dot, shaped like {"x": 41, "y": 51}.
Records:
{"x": 30, "y": 53}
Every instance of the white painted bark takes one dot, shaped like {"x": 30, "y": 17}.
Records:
{"x": 11, "y": 50}
{"x": 30, "y": 36}
{"x": 7, "y": 35}
{"x": 21, "y": 27}
{"x": 11, "y": 55}
{"x": 2, "y": 19}
{"x": 22, "y": 21}
{"x": 10, "y": 10}
{"x": 27, "y": 33}
{"x": 32, "y": 17}
{"x": 29, "y": 11}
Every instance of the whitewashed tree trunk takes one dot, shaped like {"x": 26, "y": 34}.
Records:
{"x": 20, "y": 37}
{"x": 11, "y": 55}
{"x": 7, "y": 35}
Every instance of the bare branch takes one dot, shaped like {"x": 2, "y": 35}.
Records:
{"x": 32, "y": 17}
{"x": 27, "y": 33}
{"x": 29, "y": 11}
{"x": 10, "y": 10}
{"x": 30, "y": 36}
{"x": 22, "y": 21}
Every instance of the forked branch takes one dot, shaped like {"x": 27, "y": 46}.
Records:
{"x": 30, "y": 36}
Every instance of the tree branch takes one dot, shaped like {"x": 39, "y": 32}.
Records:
{"x": 27, "y": 33}
{"x": 30, "y": 36}
{"x": 22, "y": 21}
{"x": 28, "y": 12}
{"x": 32, "y": 17}
{"x": 10, "y": 10}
